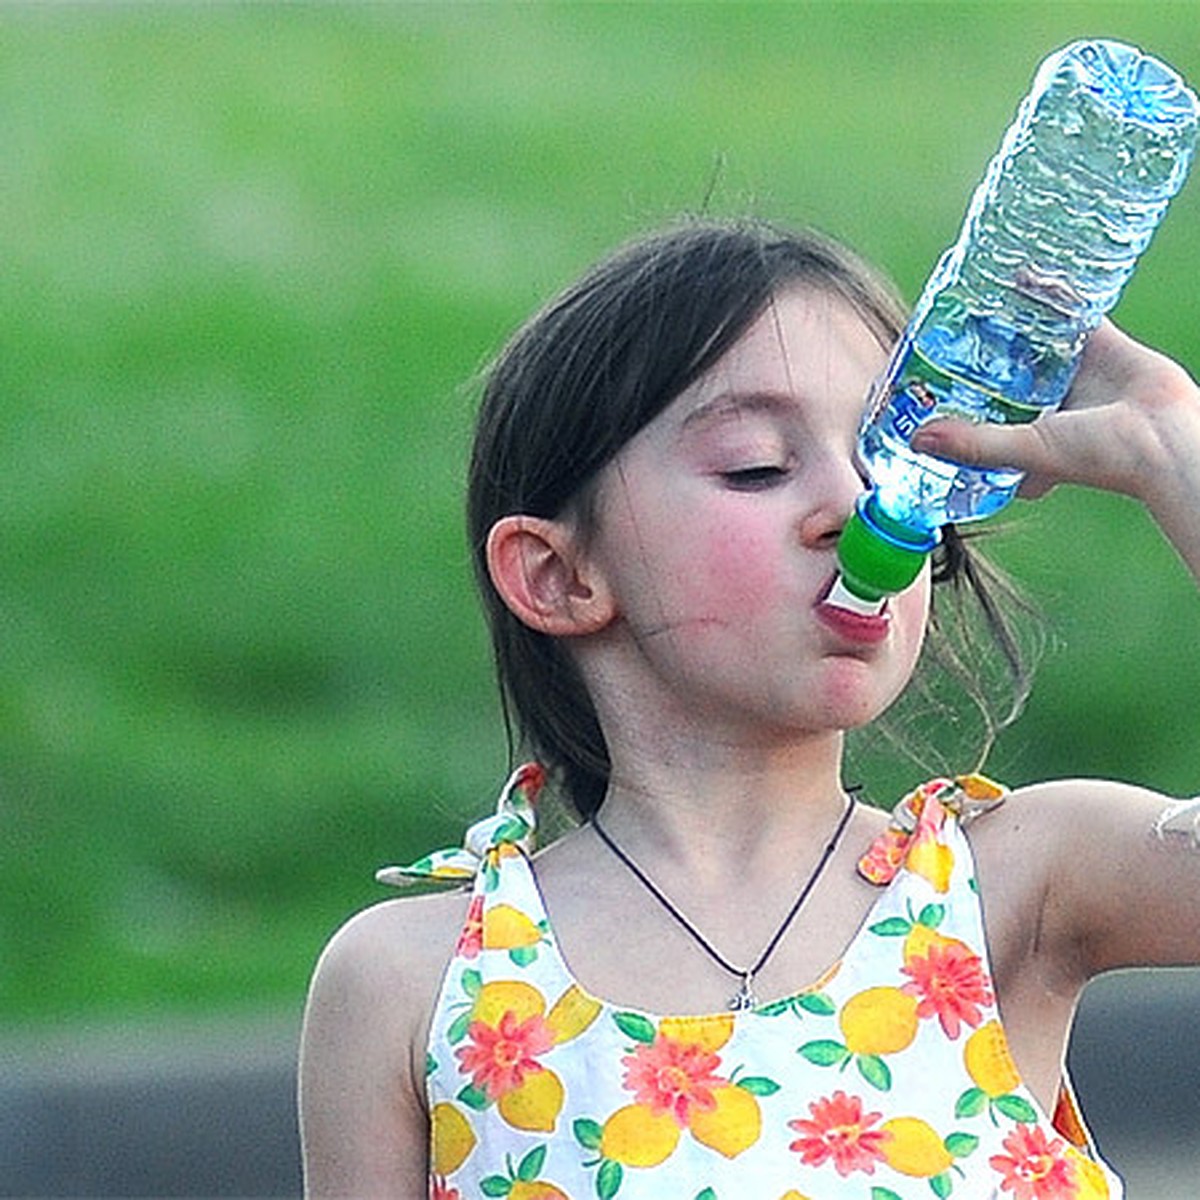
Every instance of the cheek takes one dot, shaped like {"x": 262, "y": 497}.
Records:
{"x": 728, "y": 573}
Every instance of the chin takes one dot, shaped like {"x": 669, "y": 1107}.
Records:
{"x": 854, "y": 696}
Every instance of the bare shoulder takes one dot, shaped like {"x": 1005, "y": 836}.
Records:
{"x": 380, "y": 972}
{"x": 363, "y": 1117}
{"x": 1068, "y": 816}
{"x": 398, "y": 937}
{"x": 1088, "y": 865}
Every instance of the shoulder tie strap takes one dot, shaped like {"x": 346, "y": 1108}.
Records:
{"x": 512, "y": 826}
{"x": 914, "y": 819}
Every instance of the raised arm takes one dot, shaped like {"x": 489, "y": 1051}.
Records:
{"x": 1120, "y": 886}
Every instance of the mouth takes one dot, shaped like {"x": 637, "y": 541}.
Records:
{"x": 867, "y": 629}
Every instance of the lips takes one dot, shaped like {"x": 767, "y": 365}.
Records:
{"x": 866, "y": 629}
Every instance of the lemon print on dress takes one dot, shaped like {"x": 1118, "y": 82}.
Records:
{"x": 914, "y": 1148}
{"x": 989, "y": 1064}
{"x": 636, "y": 1137}
{"x": 534, "y": 1105}
{"x": 673, "y": 1072}
{"x": 452, "y": 1139}
{"x": 502, "y": 1038}
{"x": 932, "y": 860}
{"x": 874, "y": 1022}
{"x": 522, "y": 1182}
{"x": 508, "y": 928}
{"x": 733, "y": 1125}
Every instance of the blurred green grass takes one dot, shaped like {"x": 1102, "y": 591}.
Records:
{"x": 250, "y": 261}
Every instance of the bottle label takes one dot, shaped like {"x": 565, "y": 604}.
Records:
{"x": 913, "y": 389}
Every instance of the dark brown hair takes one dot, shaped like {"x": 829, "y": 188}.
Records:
{"x": 589, "y": 371}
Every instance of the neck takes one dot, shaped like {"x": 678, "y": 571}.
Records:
{"x": 713, "y": 810}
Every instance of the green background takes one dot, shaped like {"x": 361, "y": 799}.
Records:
{"x": 251, "y": 259}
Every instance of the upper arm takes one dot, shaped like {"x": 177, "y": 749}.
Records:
{"x": 1116, "y": 889}
{"x": 363, "y": 1121}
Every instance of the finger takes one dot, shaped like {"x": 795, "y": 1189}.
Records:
{"x": 1019, "y": 447}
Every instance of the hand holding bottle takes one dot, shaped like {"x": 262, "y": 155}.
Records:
{"x": 1129, "y": 424}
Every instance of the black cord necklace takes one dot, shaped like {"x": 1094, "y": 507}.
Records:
{"x": 744, "y": 998}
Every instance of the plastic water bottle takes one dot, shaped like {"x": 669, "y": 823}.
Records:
{"x": 1080, "y": 182}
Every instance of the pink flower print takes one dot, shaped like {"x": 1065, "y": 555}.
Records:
{"x": 670, "y": 1076}
{"x": 1034, "y": 1167}
{"x": 470, "y": 939}
{"x": 840, "y": 1131}
{"x": 439, "y": 1189}
{"x": 500, "y": 1056}
{"x": 950, "y": 983}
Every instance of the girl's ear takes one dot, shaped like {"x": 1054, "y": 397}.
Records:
{"x": 545, "y": 580}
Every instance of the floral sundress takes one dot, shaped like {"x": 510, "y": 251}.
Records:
{"x": 889, "y": 1079}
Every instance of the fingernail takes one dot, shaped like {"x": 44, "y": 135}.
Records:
{"x": 926, "y": 439}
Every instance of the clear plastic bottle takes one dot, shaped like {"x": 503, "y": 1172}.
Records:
{"x": 1080, "y": 182}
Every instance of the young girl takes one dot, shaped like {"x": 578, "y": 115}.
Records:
{"x": 733, "y": 980}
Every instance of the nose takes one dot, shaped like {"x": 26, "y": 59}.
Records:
{"x": 837, "y": 484}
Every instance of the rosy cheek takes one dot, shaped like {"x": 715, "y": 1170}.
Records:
{"x": 734, "y": 575}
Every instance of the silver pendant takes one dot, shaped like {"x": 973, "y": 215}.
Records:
{"x": 745, "y": 997}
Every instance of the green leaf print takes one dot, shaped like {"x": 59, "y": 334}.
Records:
{"x": 817, "y": 1003}
{"x": 931, "y": 917}
{"x": 942, "y": 1185}
{"x": 473, "y": 1097}
{"x": 807, "y": 1002}
{"x": 707, "y": 1194}
{"x": 1016, "y": 1108}
{"x": 875, "y": 1071}
{"x": 882, "y": 1193}
{"x": 491, "y": 876}
{"x": 588, "y": 1133}
{"x": 522, "y": 956}
{"x": 495, "y": 1185}
{"x": 971, "y": 1103}
{"x": 511, "y": 829}
{"x": 636, "y": 1026}
{"x": 458, "y": 1028}
{"x": 825, "y": 1053}
{"x": 961, "y": 1144}
{"x": 430, "y": 1064}
{"x": 608, "y": 1179}
{"x": 777, "y": 1008}
{"x": 758, "y": 1085}
{"x": 531, "y": 1165}
{"x": 472, "y": 983}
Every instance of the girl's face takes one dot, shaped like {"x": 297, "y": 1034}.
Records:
{"x": 717, "y": 530}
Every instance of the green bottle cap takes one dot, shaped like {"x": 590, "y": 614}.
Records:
{"x": 878, "y": 555}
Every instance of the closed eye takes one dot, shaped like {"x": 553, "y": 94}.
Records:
{"x": 754, "y": 479}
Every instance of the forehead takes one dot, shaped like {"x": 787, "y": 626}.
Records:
{"x": 807, "y": 346}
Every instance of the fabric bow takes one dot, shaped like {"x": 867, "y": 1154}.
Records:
{"x": 914, "y": 821}
{"x": 514, "y": 824}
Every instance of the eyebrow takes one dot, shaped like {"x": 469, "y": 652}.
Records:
{"x": 728, "y": 405}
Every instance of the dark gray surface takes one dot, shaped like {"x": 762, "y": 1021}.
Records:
{"x": 150, "y": 1111}
{"x": 209, "y": 1110}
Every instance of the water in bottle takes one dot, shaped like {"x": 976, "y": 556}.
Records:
{"x": 1080, "y": 182}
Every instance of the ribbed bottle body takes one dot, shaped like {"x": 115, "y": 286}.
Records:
{"x": 1082, "y": 179}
